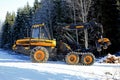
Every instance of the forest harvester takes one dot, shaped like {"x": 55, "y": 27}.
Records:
{"x": 75, "y": 46}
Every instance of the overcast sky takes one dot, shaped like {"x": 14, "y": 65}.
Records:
{"x": 12, "y": 6}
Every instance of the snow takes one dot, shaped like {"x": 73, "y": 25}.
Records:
{"x": 9, "y": 56}
{"x": 19, "y": 67}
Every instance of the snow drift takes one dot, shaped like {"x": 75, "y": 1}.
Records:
{"x": 19, "y": 67}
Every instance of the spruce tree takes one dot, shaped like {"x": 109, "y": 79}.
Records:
{"x": 36, "y": 6}
{"x": 22, "y": 23}
{"x": 6, "y": 30}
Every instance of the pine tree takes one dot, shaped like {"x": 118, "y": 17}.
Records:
{"x": 36, "y": 6}
{"x": 6, "y": 30}
{"x": 22, "y": 23}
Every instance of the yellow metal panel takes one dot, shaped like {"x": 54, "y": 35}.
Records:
{"x": 104, "y": 40}
{"x": 36, "y": 42}
{"x": 79, "y": 27}
{"x": 38, "y": 25}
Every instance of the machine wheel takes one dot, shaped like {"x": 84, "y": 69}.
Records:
{"x": 87, "y": 59}
{"x": 39, "y": 54}
{"x": 72, "y": 58}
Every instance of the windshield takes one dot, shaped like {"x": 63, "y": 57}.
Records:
{"x": 39, "y": 32}
{"x": 35, "y": 33}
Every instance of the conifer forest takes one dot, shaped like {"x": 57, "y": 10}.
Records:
{"x": 59, "y": 13}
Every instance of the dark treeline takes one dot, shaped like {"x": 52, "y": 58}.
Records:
{"x": 58, "y": 13}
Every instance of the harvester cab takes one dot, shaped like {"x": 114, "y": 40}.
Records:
{"x": 40, "y": 31}
{"x": 37, "y": 45}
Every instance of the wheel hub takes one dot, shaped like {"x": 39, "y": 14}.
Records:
{"x": 39, "y": 55}
{"x": 72, "y": 58}
{"x": 88, "y": 59}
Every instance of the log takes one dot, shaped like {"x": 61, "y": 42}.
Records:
{"x": 112, "y": 59}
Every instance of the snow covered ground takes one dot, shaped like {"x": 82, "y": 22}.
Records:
{"x": 19, "y": 67}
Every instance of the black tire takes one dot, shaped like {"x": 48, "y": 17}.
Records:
{"x": 39, "y": 54}
{"x": 87, "y": 59}
{"x": 105, "y": 46}
{"x": 72, "y": 58}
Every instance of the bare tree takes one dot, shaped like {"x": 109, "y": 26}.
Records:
{"x": 85, "y": 6}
